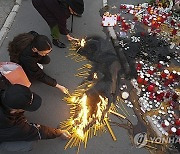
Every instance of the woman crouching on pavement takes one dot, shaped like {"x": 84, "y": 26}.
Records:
{"x": 30, "y": 50}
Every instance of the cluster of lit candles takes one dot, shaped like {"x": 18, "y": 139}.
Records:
{"x": 153, "y": 17}
{"x": 159, "y": 95}
{"x": 156, "y": 83}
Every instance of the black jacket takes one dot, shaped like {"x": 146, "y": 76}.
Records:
{"x": 55, "y": 12}
{"x": 15, "y": 127}
{"x": 28, "y": 60}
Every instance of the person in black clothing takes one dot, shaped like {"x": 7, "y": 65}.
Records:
{"x": 29, "y": 49}
{"x": 56, "y": 13}
{"x": 14, "y": 101}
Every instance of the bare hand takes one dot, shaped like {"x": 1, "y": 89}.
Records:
{"x": 63, "y": 89}
{"x": 70, "y": 38}
{"x": 65, "y": 134}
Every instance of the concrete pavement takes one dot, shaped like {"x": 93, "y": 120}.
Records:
{"x": 5, "y": 9}
{"x": 53, "y": 109}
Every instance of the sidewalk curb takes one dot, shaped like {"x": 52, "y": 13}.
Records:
{"x": 9, "y": 21}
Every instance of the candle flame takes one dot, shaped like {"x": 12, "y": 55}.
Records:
{"x": 85, "y": 121}
{"x": 84, "y": 117}
{"x": 95, "y": 76}
{"x": 83, "y": 42}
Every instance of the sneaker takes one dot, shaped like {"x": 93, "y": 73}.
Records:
{"x": 58, "y": 43}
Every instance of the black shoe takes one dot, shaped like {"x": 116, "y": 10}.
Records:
{"x": 58, "y": 43}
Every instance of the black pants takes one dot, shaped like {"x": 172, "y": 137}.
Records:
{"x": 55, "y": 16}
{"x": 48, "y": 16}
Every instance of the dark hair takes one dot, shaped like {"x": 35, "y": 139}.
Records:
{"x": 21, "y": 41}
{"x": 41, "y": 43}
{"x": 18, "y": 44}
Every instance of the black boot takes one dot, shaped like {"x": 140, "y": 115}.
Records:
{"x": 59, "y": 44}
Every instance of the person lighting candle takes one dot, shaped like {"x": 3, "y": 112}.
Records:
{"x": 30, "y": 50}
{"x": 16, "y": 132}
{"x": 56, "y": 13}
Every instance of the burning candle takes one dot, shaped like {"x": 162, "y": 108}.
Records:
{"x": 159, "y": 65}
{"x": 125, "y": 95}
{"x": 146, "y": 81}
{"x": 122, "y": 19}
{"x": 164, "y": 73}
{"x": 177, "y": 122}
{"x": 123, "y": 6}
{"x": 166, "y": 123}
{"x": 178, "y": 132}
{"x": 160, "y": 18}
{"x": 174, "y": 75}
{"x": 167, "y": 94}
{"x": 158, "y": 30}
{"x": 159, "y": 97}
{"x": 151, "y": 96}
{"x": 135, "y": 18}
{"x": 166, "y": 82}
{"x": 150, "y": 72}
{"x": 151, "y": 87}
{"x": 172, "y": 103}
{"x": 172, "y": 22}
{"x": 149, "y": 9}
{"x": 140, "y": 79}
{"x": 164, "y": 17}
{"x": 174, "y": 31}
{"x": 173, "y": 129}
{"x": 166, "y": 134}
{"x": 175, "y": 96}
{"x": 118, "y": 17}
{"x": 163, "y": 125}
